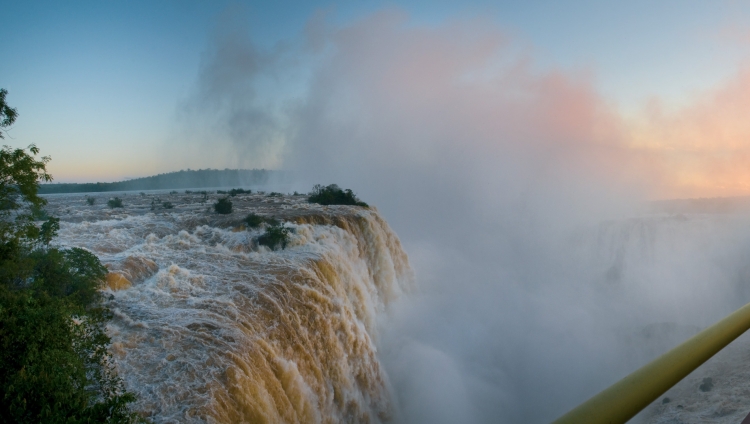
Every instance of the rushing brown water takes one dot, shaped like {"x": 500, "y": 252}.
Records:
{"x": 211, "y": 327}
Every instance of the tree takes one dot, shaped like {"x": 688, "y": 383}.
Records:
{"x": 275, "y": 236}
{"x": 54, "y": 363}
{"x": 334, "y": 195}
{"x": 8, "y": 114}
{"x": 114, "y": 202}
{"x": 20, "y": 173}
{"x": 223, "y": 206}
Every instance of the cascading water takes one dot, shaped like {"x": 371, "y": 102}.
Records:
{"x": 210, "y": 327}
{"x": 675, "y": 274}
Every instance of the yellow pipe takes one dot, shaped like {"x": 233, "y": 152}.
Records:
{"x": 622, "y": 400}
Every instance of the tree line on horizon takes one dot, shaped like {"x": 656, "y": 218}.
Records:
{"x": 201, "y": 178}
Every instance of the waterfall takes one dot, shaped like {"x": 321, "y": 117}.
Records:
{"x": 211, "y": 327}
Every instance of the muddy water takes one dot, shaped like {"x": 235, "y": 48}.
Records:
{"x": 211, "y": 327}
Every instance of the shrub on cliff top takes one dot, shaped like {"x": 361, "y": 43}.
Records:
{"x": 334, "y": 195}
{"x": 223, "y": 206}
{"x": 115, "y": 203}
{"x": 275, "y": 236}
{"x": 235, "y": 191}
{"x": 254, "y": 220}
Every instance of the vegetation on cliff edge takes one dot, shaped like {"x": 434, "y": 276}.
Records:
{"x": 274, "y": 237}
{"x": 223, "y": 206}
{"x": 54, "y": 362}
{"x": 334, "y": 195}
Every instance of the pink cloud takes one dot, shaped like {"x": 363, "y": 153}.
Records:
{"x": 706, "y": 144}
{"x": 458, "y": 102}
{"x": 465, "y": 98}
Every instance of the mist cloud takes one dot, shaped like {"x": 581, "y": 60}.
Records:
{"x": 454, "y": 113}
{"x": 705, "y": 144}
{"x": 510, "y": 186}
{"x": 229, "y": 113}
{"x": 485, "y": 166}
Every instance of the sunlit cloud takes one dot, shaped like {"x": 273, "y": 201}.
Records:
{"x": 705, "y": 145}
{"x": 458, "y": 92}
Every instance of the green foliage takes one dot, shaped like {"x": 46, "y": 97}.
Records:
{"x": 20, "y": 172}
{"x": 333, "y": 195}
{"x": 54, "y": 362}
{"x": 74, "y": 274}
{"x": 54, "y": 365}
{"x": 115, "y": 202}
{"x": 8, "y": 114}
{"x": 254, "y": 221}
{"x": 91, "y": 200}
{"x": 221, "y": 192}
{"x": 275, "y": 194}
{"x": 273, "y": 222}
{"x": 173, "y": 192}
{"x": 49, "y": 230}
{"x": 167, "y": 205}
{"x": 275, "y": 236}
{"x": 38, "y": 213}
{"x": 223, "y": 206}
{"x": 235, "y": 191}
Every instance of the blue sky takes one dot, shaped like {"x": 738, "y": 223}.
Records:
{"x": 100, "y": 86}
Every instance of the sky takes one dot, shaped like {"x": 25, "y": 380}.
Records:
{"x": 113, "y": 90}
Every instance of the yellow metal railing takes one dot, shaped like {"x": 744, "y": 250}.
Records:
{"x": 621, "y": 401}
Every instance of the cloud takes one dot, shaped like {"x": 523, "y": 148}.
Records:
{"x": 230, "y": 112}
{"x": 383, "y": 80}
{"x": 485, "y": 165}
{"x": 505, "y": 181}
{"x": 705, "y": 144}
{"x": 393, "y": 105}
{"x": 502, "y": 179}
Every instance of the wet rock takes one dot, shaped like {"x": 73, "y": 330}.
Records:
{"x": 707, "y": 385}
